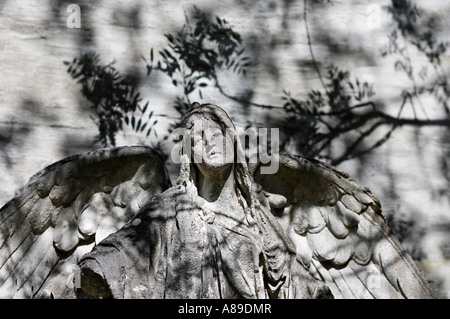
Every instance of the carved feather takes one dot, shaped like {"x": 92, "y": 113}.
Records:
{"x": 349, "y": 244}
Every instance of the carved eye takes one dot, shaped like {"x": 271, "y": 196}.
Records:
{"x": 217, "y": 134}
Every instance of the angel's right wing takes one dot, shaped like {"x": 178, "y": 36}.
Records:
{"x": 65, "y": 209}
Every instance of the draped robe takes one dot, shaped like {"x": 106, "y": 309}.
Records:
{"x": 175, "y": 249}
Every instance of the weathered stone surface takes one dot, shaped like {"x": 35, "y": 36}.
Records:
{"x": 43, "y": 117}
{"x": 210, "y": 237}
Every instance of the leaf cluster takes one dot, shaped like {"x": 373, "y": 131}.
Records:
{"x": 112, "y": 97}
{"x": 415, "y": 31}
{"x": 195, "y": 53}
{"x": 315, "y": 122}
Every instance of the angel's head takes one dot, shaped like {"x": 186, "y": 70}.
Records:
{"x": 212, "y": 144}
{"x": 211, "y": 138}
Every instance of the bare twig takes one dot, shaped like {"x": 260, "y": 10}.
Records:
{"x": 241, "y": 100}
{"x": 305, "y": 18}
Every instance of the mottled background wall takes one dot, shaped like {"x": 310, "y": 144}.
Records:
{"x": 44, "y": 116}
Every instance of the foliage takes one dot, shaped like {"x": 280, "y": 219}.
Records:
{"x": 339, "y": 115}
{"x": 195, "y": 53}
{"x": 343, "y": 110}
{"x": 314, "y": 123}
{"x": 112, "y": 97}
{"x": 414, "y": 32}
{"x": 334, "y": 122}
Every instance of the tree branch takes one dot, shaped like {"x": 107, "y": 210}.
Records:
{"x": 407, "y": 121}
{"x": 241, "y": 100}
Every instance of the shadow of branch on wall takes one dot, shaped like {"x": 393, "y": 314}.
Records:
{"x": 340, "y": 120}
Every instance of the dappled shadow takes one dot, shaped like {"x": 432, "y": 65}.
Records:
{"x": 329, "y": 122}
{"x": 8, "y": 139}
{"x": 16, "y": 133}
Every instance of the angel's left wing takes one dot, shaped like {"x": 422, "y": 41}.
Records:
{"x": 65, "y": 209}
{"x": 339, "y": 231}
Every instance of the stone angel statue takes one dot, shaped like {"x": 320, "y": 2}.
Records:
{"x": 112, "y": 221}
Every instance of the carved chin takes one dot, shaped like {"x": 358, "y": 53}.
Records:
{"x": 213, "y": 161}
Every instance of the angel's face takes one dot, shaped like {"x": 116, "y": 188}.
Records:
{"x": 211, "y": 145}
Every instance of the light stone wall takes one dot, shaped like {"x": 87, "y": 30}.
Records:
{"x": 44, "y": 118}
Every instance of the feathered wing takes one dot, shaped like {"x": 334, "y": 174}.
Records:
{"x": 339, "y": 231}
{"x": 65, "y": 209}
